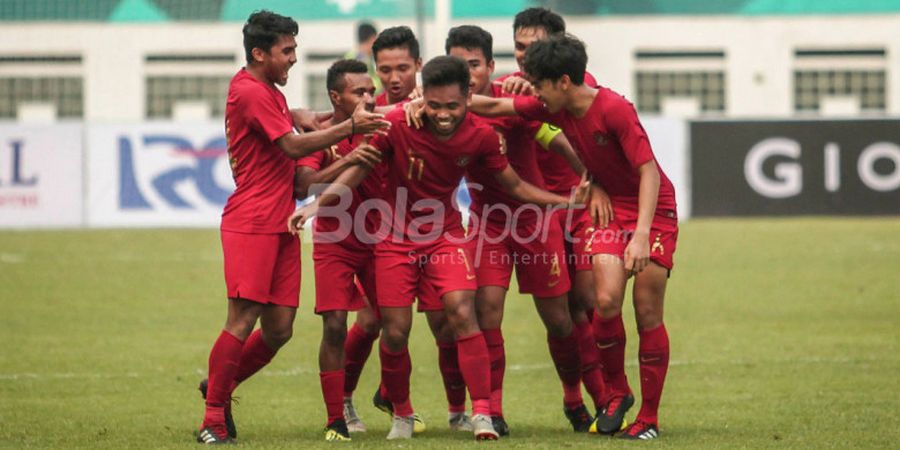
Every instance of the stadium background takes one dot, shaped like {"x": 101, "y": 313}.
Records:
{"x": 784, "y": 328}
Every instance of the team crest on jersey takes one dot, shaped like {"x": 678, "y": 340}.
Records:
{"x": 600, "y": 138}
{"x": 463, "y": 161}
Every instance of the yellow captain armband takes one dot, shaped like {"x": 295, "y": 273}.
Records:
{"x": 546, "y": 134}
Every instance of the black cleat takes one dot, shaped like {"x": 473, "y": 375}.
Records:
{"x": 210, "y": 436}
{"x": 337, "y": 431}
{"x": 640, "y": 430}
{"x": 500, "y": 425}
{"x": 580, "y": 418}
{"x": 229, "y": 421}
{"x": 612, "y": 417}
{"x": 382, "y": 403}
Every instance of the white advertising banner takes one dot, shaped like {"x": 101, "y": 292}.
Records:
{"x": 40, "y": 175}
{"x": 157, "y": 175}
{"x": 669, "y": 139}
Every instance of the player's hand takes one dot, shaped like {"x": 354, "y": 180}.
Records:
{"x": 637, "y": 253}
{"x": 305, "y": 119}
{"x": 365, "y": 155}
{"x": 581, "y": 193}
{"x": 600, "y": 207}
{"x": 300, "y": 216}
{"x": 414, "y": 111}
{"x": 366, "y": 122}
{"x": 517, "y": 86}
{"x": 416, "y": 93}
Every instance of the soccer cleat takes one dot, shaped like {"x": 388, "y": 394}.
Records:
{"x": 385, "y": 406}
{"x": 640, "y": 430}
{"x": 354, "y": 423}
{"x": 210, "y": 436}
{"x": 337, "y": 431}
{"x": 229, "y": 420}
{"x": 580, "y": 419}
{"x": 460, "y": 421}
{"x": 401, "y": 427}
{"x": 500, "y": 425}
{"x": 483, "y": 428}
{"x": 612, "y": 418}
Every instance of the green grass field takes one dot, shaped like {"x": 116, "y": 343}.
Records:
{"x": 784, "y": 334}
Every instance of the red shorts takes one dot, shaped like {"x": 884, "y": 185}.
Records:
{"x": 345, "y": 276}
{"x": 427, "y": 271}
{"x": 536, "y": 252}
{"x": 264, "y": 268}
{"x": 614, "y": 239}
{"x": 579, "y": 227}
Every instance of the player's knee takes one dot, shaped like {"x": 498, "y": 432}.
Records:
{"x": 368, "y": 323}
{"x": 608, "y": 305}
{"x": 276, "y": 337}
{"x": 334, "y": 333}
{"x": 647, "y": 316}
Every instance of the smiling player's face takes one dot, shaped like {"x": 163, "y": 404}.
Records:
{"x": 445, "y": 108}
{"x": 279, "y": 59}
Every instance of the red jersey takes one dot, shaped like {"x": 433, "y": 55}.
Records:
{"x": 382, "y": 100}
{"x": 371, "y": 186}
{"x": 520, "y": 149}
{"x": 423, "y": 172}
{"x": 255, "y": 116}
{"x": 559, "y": 177}
{"x": 611, "y": 142}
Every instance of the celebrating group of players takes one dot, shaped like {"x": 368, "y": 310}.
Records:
{"x": 565, "y": 189}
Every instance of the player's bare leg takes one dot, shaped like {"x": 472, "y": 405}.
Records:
{"x": 653, "y": 355}
{"x": 357, "y": 348}
{"x": 474, "y": 360}
{"x": 396, "y": 367}
{"x": 489, "y": 305}
{"x": 610, "y": 278}
{"x": 448, "y": 362}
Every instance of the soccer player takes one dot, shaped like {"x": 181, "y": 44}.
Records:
{"x": 641, "y": 237}
{"x": 338, "y": 263}
{"x": 536, "y": 251}
{"x": 397, "y": 61}
{"x": 426, "y": 248}
{"x": 262, "y": 262}
{"x": 530, "y": 26}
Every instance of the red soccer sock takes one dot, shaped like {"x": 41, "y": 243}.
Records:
{"x": 454, "y": 385}
{"x": 564, "y": 352}
{"x": 223, "y": 363}
{"x": 254, "y": 356}
{"x": 497, "y": 354}
{"x": 396, "y": 368}
{"x": 475, "y": 365}
{"x": 653, "y": 356}
{"x": 610, "y": 336}
{"x": 332, "y": 391}
{"x": 591, "y": 375}
{"x": 357, "y": 348}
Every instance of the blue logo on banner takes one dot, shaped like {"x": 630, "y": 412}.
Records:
{"x": 199, "y": 171}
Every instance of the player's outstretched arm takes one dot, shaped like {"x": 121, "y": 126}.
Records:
{"x": 526, "y": 192}
{"x": 305, "y": 119}
{"x": 349, "y": 179}
{"x": 305, "y": 177}
{"x": 492, "y": 106}
{"x": 361, "y": 122}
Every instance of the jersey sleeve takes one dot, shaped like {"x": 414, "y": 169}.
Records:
{"x": 530, "y": 108}
{"x": 622, "y": 120}
{"x": 264, "y": 114}
{"x": 493, "y": 152}
{"x": 314, "y": 161}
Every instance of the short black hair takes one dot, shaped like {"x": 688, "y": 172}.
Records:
{"x": 550, "y": 59}
{"x": 262, "y": 30}
{"x": 550, "y": 21}
{"x": 334, "y": 80}
{"x": 365, "y": 31}
{"x": 395, "y": 37}
{"x": 445, "y": 71}
{"x": 471, "y": 37}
